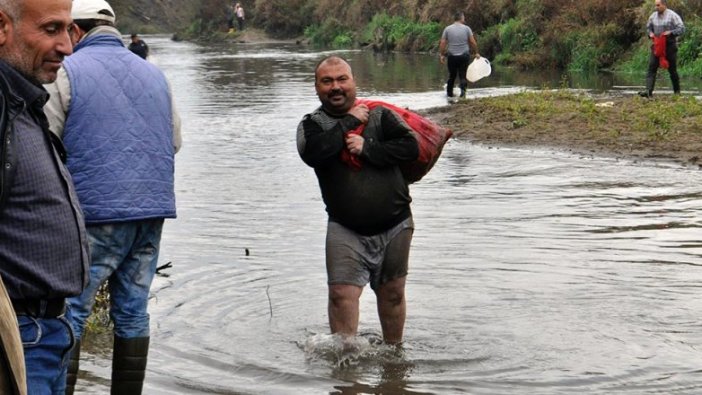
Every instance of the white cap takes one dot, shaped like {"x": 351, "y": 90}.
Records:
{"x": 92, "y": 9}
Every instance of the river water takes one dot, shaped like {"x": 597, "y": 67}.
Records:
{"x": 531, "y": 271}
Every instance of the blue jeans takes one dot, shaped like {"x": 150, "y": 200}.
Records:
{"x": 126, "y": 254}
{"x": 46, "y": 343}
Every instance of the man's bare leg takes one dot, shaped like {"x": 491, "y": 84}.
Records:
{"x": 343, "y": 308}
{"x": 392, "y": 309}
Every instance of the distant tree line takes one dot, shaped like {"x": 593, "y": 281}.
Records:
{"x": 528, "y": 34}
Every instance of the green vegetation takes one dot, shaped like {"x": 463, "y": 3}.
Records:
{"x": 653, "y": 118}
{"x": 99, "y": 320}
{"x": 563, "y": 117}
{"x": 582, "y": 35}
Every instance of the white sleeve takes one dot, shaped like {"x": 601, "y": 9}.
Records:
{"x": 59, "y": 101}
{"x": 177, "y": 137}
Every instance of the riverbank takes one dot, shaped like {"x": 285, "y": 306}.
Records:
{"x": 665, "y": 128}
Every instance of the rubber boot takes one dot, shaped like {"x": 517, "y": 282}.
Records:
{"x": 129, "y": 365}
{"x": 676, "y": 84}
{"x": 650, "y": 85}
{"x": 72, "y": 375}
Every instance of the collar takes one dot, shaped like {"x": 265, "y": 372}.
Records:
{"x": 24, "y": 88}
{"x": 100, "y": 34}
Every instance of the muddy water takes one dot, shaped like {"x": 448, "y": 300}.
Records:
{"x": 531, "y": 271}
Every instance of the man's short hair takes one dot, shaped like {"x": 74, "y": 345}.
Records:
{"x": 12, "y": 9}
{"x": 87, "y": 25}
{"x": 333, "y": 59}
{"x": 458, "y": 16}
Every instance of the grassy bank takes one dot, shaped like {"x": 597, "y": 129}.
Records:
{"x": 665, "y": 127}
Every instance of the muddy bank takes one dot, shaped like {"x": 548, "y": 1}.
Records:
{"x": 665, "y": 128}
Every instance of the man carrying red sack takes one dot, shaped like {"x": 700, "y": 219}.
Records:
{"x": 367, "y": 198}
{"x": 663, "y": 24}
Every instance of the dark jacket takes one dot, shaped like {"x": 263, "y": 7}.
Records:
{"x": 10, "y": 106}
{"x": 6, "y": 99}
{"x": 12, "y": 370}
{"x": 44, "y": 249}
{"x": 376, "y": 197}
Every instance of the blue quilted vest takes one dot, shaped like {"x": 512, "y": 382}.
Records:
{"x": 119, "y": 133}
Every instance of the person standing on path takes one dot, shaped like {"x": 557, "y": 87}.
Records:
{"x": 366, "y": 196}
{"x": 664, "y": 22}
{"x": 240, "y": 16}
{"x": 457, "y": 40}
{"x": 43, "y": 242}
{"x": 121, "y": 134}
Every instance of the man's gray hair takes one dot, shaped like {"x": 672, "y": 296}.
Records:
{"x": 12, "y": 8}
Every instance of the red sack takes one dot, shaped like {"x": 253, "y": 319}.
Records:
{"x": 430, "y": 138}
{"x": 659, "y": 49}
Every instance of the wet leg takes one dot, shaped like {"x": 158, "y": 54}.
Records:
{"x": 343, "y": 308}
{"x": 392, "y": 309}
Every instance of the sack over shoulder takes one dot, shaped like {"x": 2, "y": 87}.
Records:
{"x": 430, "y": 136}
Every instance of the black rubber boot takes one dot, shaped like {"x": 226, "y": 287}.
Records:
{"x": 129, "y": 365}
{"x": 72, "y": 375}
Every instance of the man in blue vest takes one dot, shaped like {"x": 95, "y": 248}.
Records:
{"x": 121, "y": 134}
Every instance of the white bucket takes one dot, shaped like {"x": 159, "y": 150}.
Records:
{"x": 479, "y": 68}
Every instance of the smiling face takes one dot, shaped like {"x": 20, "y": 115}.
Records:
{"x": 335, "y": 86}
{"x": 36, "y": 44}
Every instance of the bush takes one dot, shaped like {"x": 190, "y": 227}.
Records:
{"x": 691, "y": 42}
{"x": 396, "y": 32}
{"x": 332, "y": 32}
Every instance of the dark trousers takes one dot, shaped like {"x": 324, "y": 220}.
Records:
{"x": 457, "y": 65}
{"x": 671, "y": 54}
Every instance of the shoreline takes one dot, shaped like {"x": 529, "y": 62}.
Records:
{"x": 610, "y": 126}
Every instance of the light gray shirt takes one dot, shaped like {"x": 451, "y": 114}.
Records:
{"x": 669, "y": 21}
{"x": 457, "y": 35}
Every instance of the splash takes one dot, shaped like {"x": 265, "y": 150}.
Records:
{"x": 345, "y": 351}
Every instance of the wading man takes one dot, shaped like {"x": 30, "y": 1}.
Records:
{"x": 457, "y": 40}
{"x": 138, "y": 46}
{"x": 366, "y": 196}
{"x": 120, "y": 134}
{"x": 43, "y": 244}
{"x": 663, "y": 24}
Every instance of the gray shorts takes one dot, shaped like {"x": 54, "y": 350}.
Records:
{"x": 355, "y": 259}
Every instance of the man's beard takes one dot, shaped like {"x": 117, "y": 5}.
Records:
{"x": 21, "y": 60}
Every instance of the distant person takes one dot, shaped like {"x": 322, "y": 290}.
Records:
{"x": 120, "y": 134}
{"x": 231, "y": 15}
{"x": 43, "y": 243}
{"x": 370, "y": 225}
{"x": 239, "y": 10}
{"x": 457, "y": 40}
{"x": 664, "y": 24}
{"x": 139, "y": 47}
